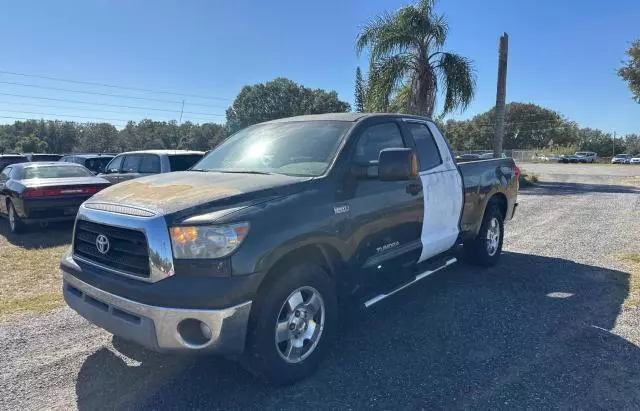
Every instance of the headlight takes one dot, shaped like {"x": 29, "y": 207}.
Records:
{"x": 208, "y": 241}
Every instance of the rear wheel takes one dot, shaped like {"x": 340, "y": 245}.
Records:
{"x": 292, "y": 322}
{"x": 15, "y": 223}
{"x": 486, "y": 248}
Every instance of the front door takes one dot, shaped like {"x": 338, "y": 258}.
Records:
{"x": 386, "y": 216}
{"x": 442, "y": 185}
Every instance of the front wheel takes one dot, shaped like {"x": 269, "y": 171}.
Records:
{"x": 486, "y": 248}
{"x": 291, "y": 325}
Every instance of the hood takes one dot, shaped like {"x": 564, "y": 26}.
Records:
{"x": 172, "y": 192}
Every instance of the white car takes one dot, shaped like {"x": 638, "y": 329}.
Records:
{"x": 635, "y": 159}
{"x": 621, "y": 159}
{"x": 587, "y": 156}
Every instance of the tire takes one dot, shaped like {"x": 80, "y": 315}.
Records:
{"x": 15, "y": 224}
{"x": 286, "y": 362}
{"x": 482, "y": 250}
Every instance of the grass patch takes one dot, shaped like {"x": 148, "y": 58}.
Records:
{"x": 36, "y": 304}
{"x": 30, "y": 280}
{"x": 632, "y": 261}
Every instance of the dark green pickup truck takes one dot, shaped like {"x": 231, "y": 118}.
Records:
{"x": 247, "y": 254}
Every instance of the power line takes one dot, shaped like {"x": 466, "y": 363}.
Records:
{"x": 109, "y": 105}
{"x": 107, "y": 94}
{"x": 80, "y": 109}
{"x": 112, "y": 86}
{"x": 63, "y": 115}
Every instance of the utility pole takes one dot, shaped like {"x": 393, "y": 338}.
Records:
{"x": 501, "y": 95}
{"x": 614, "y": 144}
{"x": 181, "y": 111}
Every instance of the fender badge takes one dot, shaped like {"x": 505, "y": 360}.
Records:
{"x": 341, "y": 209}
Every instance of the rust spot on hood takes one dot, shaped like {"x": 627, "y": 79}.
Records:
{"x": 159, "y": 195}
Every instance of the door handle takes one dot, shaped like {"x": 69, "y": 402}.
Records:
{"x": 414, "y": 188}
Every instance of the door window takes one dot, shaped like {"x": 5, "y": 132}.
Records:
{"x": 114, "y": 165}
{"x": 131, "y": 164}
{"x": 428, "y": 153}
{"x": 377, "y": 138}
{"x": 150, "y": 164}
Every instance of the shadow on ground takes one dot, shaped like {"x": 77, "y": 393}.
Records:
{"x": 35, "y": 236}
{"x": 564, "y": 188}
{"x": 529, "y": 333}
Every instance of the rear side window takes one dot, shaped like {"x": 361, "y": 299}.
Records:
{"x": 181, "y": 162}
{"x": 131, "y": 164}
{"x": 375, "y": 139}
{"x": 149, "y": 163}
{"x": 428, "y": 153}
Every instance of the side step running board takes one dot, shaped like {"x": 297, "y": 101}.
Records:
{"x": 419, "y": 277}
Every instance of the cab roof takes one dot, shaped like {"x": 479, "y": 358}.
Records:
{"x": 352, "y": 117}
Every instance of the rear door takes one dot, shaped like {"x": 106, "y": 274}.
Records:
{"x": 386, "y": 216}
{"x": 442, "y": 184}
{"x": 149, "y": 164}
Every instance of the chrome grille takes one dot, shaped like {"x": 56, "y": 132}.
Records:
{"x": 128, "y": 250}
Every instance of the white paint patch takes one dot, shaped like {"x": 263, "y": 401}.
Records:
{"x": 559, "y": 294}
{"x": 443, "y": 202}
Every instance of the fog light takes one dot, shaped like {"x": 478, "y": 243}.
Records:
{"x": 194, "y": 333}
{"x": 205, "y": 330}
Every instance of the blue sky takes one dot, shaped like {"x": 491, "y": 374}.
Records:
{"x": 563, "y": 54}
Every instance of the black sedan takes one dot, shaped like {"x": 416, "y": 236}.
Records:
{"x": 45, "y": 192}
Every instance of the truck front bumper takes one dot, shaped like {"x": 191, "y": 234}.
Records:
{"x": 222, "y": 331}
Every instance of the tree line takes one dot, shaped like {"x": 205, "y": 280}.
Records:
{"x": 55, "y": 136}
{"x": 529, "y": 126}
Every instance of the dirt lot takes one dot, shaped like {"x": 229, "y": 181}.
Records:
{"x": 555, "y": 325}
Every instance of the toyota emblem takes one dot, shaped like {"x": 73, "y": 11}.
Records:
{"x": 102, "y": 244}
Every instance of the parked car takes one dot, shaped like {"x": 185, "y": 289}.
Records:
{"x": 6, "y": 159}
{"x": 44, "y": 192}
{"x": 487, "y": 156}
{"x": 34, "y": 157}
{"x": 621, "y": 159}
{"x": 635, "y": 159}
{"x": 96, "y": 163}
{"x": 467, "y": 157}
{"x": 570, "y": 158}
{"x": 587, "y": 156}
{"x": 247, "y": 253}
{"x": 134, "y": 164}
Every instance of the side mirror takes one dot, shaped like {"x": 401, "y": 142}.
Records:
{"x": 395, "y": 164}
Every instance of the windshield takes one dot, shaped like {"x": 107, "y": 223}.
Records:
{"x": 304, "y": 148}
{"x": 60, "y": 171}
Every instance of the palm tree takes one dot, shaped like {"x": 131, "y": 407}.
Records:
{"x": 408, "y": 66}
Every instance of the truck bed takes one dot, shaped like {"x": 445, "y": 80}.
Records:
{"x": 482, "y": 180}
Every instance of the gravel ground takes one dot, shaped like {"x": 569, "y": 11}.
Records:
{"x": 546, "y": 328}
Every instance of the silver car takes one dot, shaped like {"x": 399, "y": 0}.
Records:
{"x": 134, "y": 164}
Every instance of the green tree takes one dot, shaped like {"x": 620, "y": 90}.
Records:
{"x": 406, "y": 53}
{"x": 98, "y": 138}
{"x": 630, "y": 71}
{"x": 203, "y": 137}
{"x": 359, "y": 94}
{"x": 277, "y": 99}
{"x": 31, "y": 144}
{"x": 526, "y": 126}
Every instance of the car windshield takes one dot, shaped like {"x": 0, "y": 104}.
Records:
{"x": 304, "y": 148}
{"x": 56, "y": 171}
